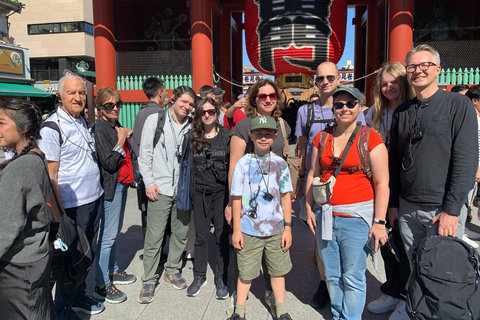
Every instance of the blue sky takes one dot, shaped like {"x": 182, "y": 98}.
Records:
{"x": 349, "y": 45}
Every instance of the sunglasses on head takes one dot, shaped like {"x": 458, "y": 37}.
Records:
{"x": 263, "y": 96}
{"x": 330, "y": 78}
{"x": 349, "y": 104}
{"x": 110, "y": 105}
{"x": 210, "y": 112}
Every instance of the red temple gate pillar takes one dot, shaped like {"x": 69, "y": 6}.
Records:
{"x": 400, "y": 29}
{"x": 202, "y": 53}
{"x": 105, "y": 67}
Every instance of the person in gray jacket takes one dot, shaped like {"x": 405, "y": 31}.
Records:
{"x": 24, "y": 191}
{"x": 159, "y": 165}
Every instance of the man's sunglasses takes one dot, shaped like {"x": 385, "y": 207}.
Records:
{"x": 210, "y": 112}
{"x": 110, "y": 105}
{"x": 330, "y": 78}
{"x": 263, "y": 96}
{"x": 349, "y": 104}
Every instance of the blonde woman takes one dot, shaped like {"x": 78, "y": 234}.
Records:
{"x": 390, "y": 90}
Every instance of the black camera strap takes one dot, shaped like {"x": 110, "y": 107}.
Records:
{"x": 347, "y": 148}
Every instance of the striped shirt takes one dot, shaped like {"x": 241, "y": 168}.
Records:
{"x": 160, "y": 165}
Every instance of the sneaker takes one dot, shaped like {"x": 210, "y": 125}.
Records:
{"x": 383, "y": 304}
{"x": 284, "y": 316}
{"x": 147, "y": 293}
{"x": 197, "y": 284}
{"x": 472, "y": 234}
{"x": 121, "y": 277}
{"x": 177, "y": 281}
{"x": 87, "y": 305}
{"x": 235, "y": 316}
{"x": 400, "y": 312}
{"x": 221, "y": 292}
{"x": 232, "y": 304}
{"x": 470, "y": 242}
{"x": 321, "y": 297}
{"x": 67, "y": 314}
{"x": 109, "y": 293}
{"x": 270, "y": 302}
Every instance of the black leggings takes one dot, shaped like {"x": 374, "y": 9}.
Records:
{"x": 203, "y": 208}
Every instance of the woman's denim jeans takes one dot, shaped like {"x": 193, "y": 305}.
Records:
{"x": 345, "y": 261}
{"x": 112, "y": 222}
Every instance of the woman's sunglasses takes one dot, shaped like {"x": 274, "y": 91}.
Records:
{"x": 349, "y": 104}
{"x": 263, "y": 96}
{"x": 330, "y": 78}
{"x": 210, "y": 112}
{"x": 110, "y": 105}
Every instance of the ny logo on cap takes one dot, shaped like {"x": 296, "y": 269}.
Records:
{"x": 262, "y": 120}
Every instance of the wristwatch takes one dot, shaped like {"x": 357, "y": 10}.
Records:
{"x": 384, "y": 222}
{"x": 288, "y": 224}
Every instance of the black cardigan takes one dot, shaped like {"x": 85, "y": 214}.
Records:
{"x": 109, "y": 161}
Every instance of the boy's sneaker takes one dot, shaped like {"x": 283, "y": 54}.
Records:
{"x": 235, "y": 316}
{"x": 109, "y": 293}
{"x": 87, "y": 305}
{"x": 121, "y": 277}
{"x": 197, "y": 284}
{"x": 176, "y": 279}
{"x": 221, "y": 292}
{"x": 147, "y": 293}
{"x": 270, "y": 301}
{"x": 284, "y": 316}
{"x": 321, "y": 297}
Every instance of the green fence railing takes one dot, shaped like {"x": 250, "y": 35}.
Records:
{"x": 465, "y": 76}
{"x": 135, "y": 82}
{"x": 128, "y": 113}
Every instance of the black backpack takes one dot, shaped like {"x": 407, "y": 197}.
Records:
{"x": 444, "y": 280}
{"x": 311, "y": 118}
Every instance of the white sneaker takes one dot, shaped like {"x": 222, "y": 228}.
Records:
{"x": 400, "y": 312}
{"x": 383, "y": 304}
{"x": 470, "y": 242}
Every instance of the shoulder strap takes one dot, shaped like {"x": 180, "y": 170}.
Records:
{"x": 159, "y": 129}
{"x": 286, "y": 151}
{"x": 53, "y": 125}
{"x": 60, "y": 209}
{"x": 363, "y": 152}
{"x": 347, "y": 148}
{"x": 310, "y": 117}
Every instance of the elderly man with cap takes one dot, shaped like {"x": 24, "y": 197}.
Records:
{"x": 354, "y": 211}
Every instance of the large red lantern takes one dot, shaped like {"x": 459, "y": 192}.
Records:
{"x": 294, "y": 36}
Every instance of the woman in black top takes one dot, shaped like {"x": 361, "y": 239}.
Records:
{"x": 209, "y": 144}
{"x": 116, "y": 170}
{"x": 24, "y": 191}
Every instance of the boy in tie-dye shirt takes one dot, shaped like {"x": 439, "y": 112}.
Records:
{"x": 262, "y": 216}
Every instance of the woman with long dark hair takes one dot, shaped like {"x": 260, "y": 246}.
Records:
{"x": 24, "y": 191}
{"x": 116, "y": 170}
{"x": 209, "y": 144}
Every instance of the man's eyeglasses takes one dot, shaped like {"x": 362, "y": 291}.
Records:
{"x": 330, "y": 78}
{"x": 422, "y": 66}
{"x": 349, "y": 104}
{"x": 210, "y": 112}
{"x": 263, "y": 96}
{"x": 110, "y": 105}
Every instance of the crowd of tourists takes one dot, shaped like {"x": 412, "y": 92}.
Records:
{"x": 399, "y": 171}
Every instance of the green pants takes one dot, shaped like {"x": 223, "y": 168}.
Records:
{"x": 158, "y": 213}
